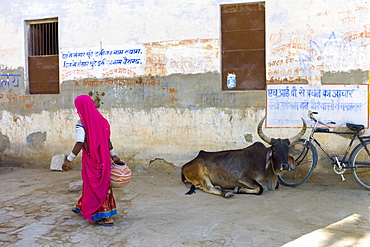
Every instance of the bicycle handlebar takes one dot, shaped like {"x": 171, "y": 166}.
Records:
{"x": 310, "y": 115}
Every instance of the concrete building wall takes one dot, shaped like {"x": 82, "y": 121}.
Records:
{"x": 170, "y": 104}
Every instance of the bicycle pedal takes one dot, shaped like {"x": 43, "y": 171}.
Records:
{"x": 343, "y": 178}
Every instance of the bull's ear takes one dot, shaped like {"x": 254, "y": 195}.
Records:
{"x": 291, "y": 161}
{"x": 268, "y": 158}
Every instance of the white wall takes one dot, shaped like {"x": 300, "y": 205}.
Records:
{"x": 95, "y": 23}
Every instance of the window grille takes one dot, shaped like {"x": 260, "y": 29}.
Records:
{"x": 44, "y": 39}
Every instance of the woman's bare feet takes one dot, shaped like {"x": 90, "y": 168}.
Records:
{"x": 108, "y": 220}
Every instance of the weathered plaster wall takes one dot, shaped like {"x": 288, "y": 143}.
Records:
{"x": 170, "y": 117}
{"x": 170, "y": 105}
{"x": 327, "y": 37}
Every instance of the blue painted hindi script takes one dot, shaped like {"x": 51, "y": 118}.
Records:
{"x": 287, "y": 103}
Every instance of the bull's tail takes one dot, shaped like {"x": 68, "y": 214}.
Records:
{"x": 191, "y": 191}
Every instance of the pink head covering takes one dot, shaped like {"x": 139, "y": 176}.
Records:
{"x": 96, "y": 160}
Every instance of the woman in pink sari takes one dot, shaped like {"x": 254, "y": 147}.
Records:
{"x": 97, "y": 203}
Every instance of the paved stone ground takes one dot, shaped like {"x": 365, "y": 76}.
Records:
{"x": 153, "y": 211}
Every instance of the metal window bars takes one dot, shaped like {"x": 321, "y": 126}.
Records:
{"x": 43, "y": 39}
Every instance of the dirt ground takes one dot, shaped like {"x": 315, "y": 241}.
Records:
{"x": 154, "y": 211}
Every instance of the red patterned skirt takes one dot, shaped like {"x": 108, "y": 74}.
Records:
{"x": 108, "y": 208}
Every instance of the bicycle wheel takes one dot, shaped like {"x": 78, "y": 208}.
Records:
{"x": 305, "y": 156}
{"x": 360, "y": 161}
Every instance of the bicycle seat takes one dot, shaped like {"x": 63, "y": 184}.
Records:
{"x": 355, "y": 127}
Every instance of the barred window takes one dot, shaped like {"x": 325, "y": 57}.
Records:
{"x": 44, "y": 39}
{"x": 43, "y": 56}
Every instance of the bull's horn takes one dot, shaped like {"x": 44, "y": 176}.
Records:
{"x": 300, "y": 134}
{"x": 291, "y": 140}
{"x": 260, "y": 132}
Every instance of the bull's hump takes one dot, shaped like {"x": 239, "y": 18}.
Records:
{"x": 256, "y": 146}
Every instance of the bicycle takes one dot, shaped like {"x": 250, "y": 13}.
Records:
{"x": 306, "y": 158}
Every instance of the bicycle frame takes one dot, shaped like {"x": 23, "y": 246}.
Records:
{"x": 356, "y": 159}
{"x": 333, "y": 158}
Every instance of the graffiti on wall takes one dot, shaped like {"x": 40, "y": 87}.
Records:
{"x": 157, "y": 58}
{"x": 9, "y": 81}
{"x": 11, "y": 98}
{"x": 287, "y": 103}
{"x": 217, "y": 99}
{"x": 79, "y": 63}
{"x": 153, "y": 90}
{"x": 323, "y": 39}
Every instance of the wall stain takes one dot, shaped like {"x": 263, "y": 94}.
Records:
{"x": 36, "y": 140}
{"x": 96, "y": 98}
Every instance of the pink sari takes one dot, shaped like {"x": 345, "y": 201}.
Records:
{"x": 96, "y": 160}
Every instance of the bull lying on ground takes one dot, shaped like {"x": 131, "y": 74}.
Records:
{"x": 240, "y": 170}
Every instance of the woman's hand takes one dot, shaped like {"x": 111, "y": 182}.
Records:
{"x": 117, "y": 160}
{"x": 66, "y": 164}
